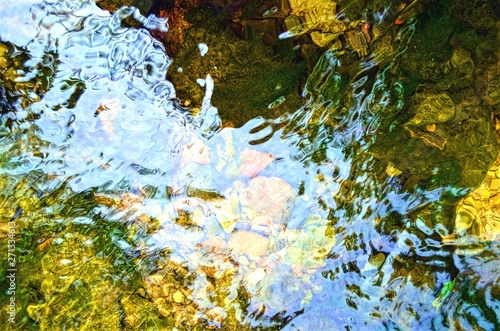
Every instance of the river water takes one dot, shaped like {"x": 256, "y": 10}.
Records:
{"x": 133, "y": 212}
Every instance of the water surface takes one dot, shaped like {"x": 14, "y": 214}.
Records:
{"x": 132, "y": 211}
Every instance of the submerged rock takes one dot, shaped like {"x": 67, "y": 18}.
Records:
{"x": 263, "y": 207}
{"x": 461, "y": 61}
{"x": 253, "y": 162}
{"x": 479, "y": 212}
{"x": 311, "y": 244}
{"x": 430, "y": 138}
{"x": 432, "y": 108}
{"x": 227, "y": 211}
{"x": 248, "y": 242}
{"x": 492, "y": 81}
{"x": 195, "y": 151}
{"x": 272, "y": 196}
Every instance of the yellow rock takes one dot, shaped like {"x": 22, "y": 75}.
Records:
{"x": 178, "y": 297}
{"x": 465, "y": 217}
{"x": 227, "y": 211}
{"x": 315, "y": 9}
{"x": 475, "y": 203}
{"x": 495, "y": 200}
{"x": 479, "y": 212}
{"x": 291, "y": 22}
{"x": 377, "y": 260}
{"x": 432, "y": 109}
{"x": 392, "y": 171}
{"x": 322, "y": 39}
{"x": 495, "y": 185}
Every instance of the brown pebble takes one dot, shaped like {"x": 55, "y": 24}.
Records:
{"x": 431, "y": 127}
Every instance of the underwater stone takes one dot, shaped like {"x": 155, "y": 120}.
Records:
{"x": 253, "y": 162}
{"x": 178, "y": 297}
{"x": 215, "y": 245}
{"x": 227, "y": 211}
{"x": 461, "y": 60}
{"x": 203, "y": 48}
{"x": 432, "y": 108}
{"x": 478, "y": 213}
{"x": 247, "y": 242}
{"x": 291, "y": 22}
{"x": 429, "y": 138}
{"x": 357, "y": 41}
{"x": 195, "y": 151}
{"x": 273, "y": 197}
{"x": 311, "y": 244}
{"x": 493, "y": 85}
{"x": 322, "y": 39}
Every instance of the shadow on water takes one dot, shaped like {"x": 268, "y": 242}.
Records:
{"x": 129, "y": 211}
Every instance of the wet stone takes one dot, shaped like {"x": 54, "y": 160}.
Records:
{"x": 178, "y": 297}
{"x": 322, "y": 39}
{"x": 253, "y": 162}
{"x": 291, "y": 22}
{"x": 479, "y": 212}
{"x": 432, "y": 108}
{"x": 461, "y": 60}
{"x": 247, "y": 242}
{"x": 273, "y": 197}
{"x": 493, "y": 85}
{"x": 357, "y": 41}
{"x": 495, "y": 185}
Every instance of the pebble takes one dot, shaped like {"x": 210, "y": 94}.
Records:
{"x": 214, "y": 244}
{"x": 195, "y": 151}
{"x": 495, "y": 185}
{"x": 203, "y": 48}
{"x": 247, "y": 242}
{"x": 201, "y": 82}
{"x": 178, "y": 297}
{"x": 256, "y": 276}
{"x": 243, "y": 260}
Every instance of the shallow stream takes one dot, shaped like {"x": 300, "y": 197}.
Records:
{"x": 124, "y": 208}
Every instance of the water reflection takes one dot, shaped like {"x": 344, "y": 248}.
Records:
{"x": 136, "y": 213}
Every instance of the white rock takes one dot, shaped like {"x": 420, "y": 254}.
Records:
{"x": 256, "y": 276}
{"x": 203, "y": 48}
{"x": 201, "y": 82}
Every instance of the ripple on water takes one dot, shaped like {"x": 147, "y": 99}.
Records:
{"x": 304, "y": 225}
